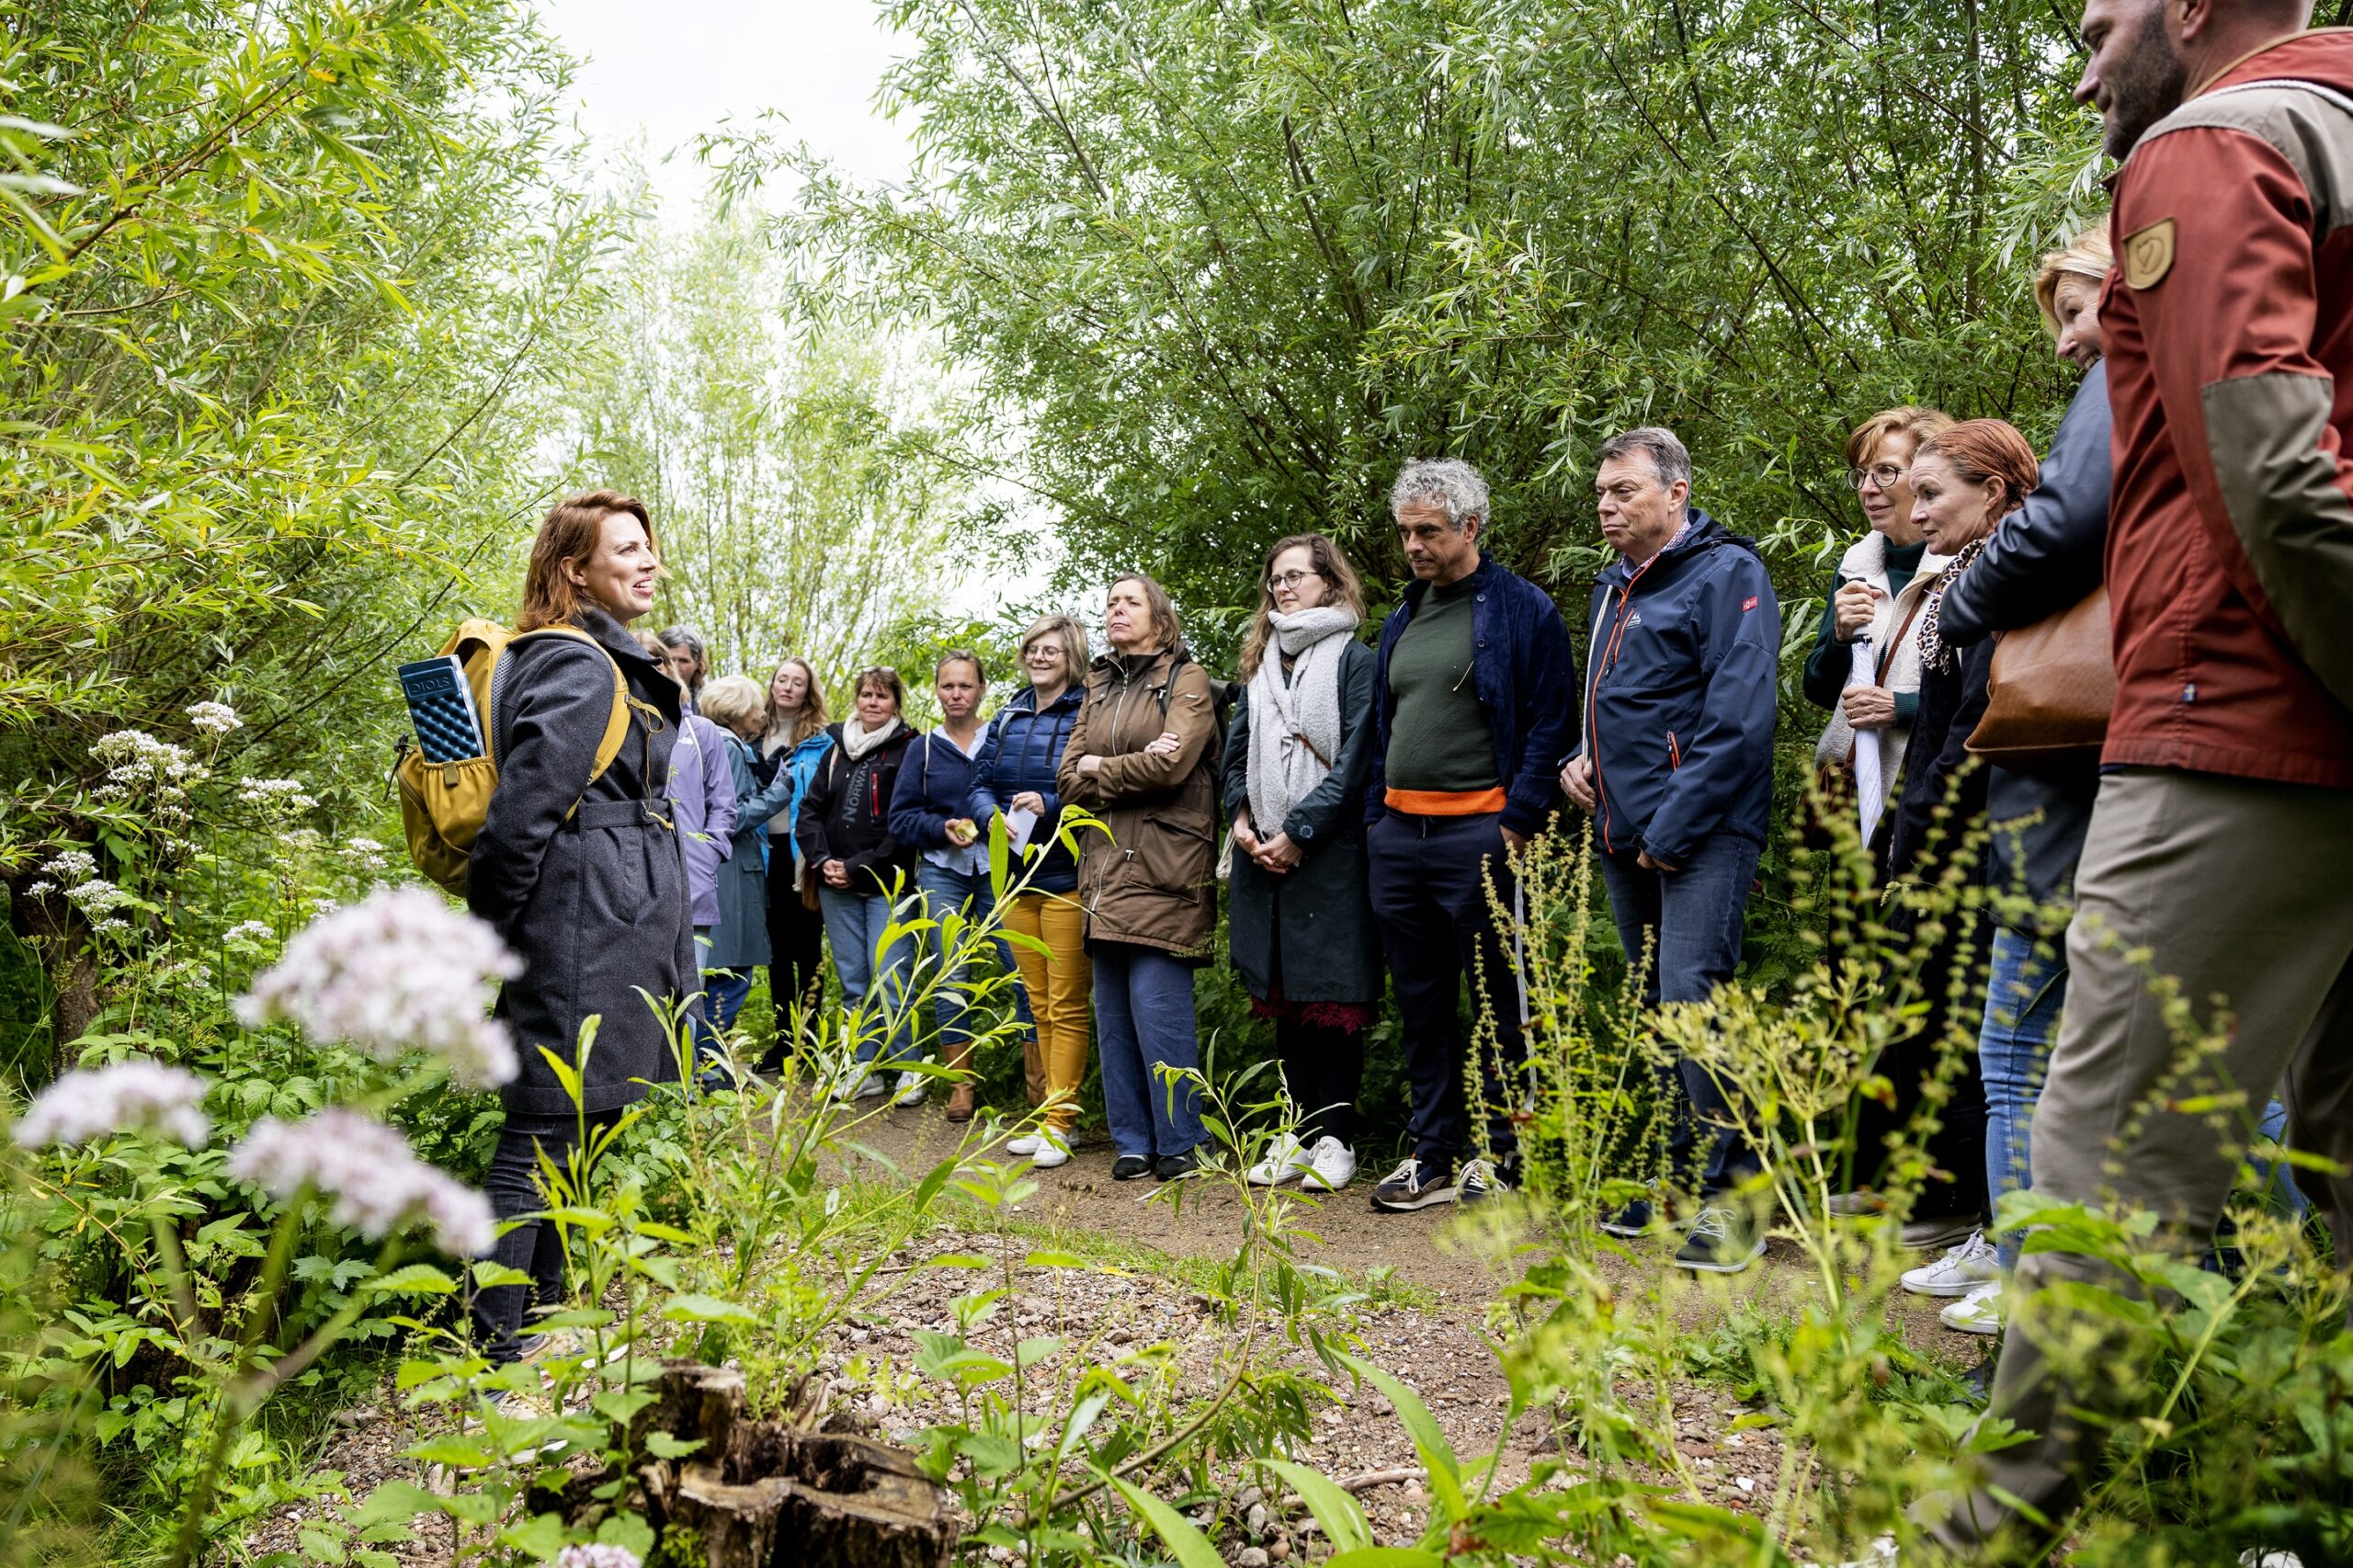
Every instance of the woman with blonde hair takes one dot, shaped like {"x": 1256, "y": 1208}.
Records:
{"x": 792, "y": 742}
{"x": 736, "y": 707}
{"x": 1013, "y": 777}
{"x": 1299, "y": 922}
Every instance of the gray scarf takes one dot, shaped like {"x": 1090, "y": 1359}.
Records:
{"x": 1295, "y": 724}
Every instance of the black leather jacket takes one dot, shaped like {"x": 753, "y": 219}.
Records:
{"x": 2045, "y": 557}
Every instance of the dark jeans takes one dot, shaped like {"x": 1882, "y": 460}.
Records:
{"x": 1428, "y": 879}
{"x": 797, "y": 954}
{"x": 533, "y": 1246}
{"x": 1956, "y": 1150}
{"x": 1325, "y": 1067}
{"x": 1143, "y": 1019}
{"x": 1690, "y": 922}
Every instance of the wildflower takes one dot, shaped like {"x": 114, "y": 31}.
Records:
{"x": 41, "y": 887}
{"x": 596, "y": 1556}
{"x": 375, "y": 1180}
{"x": 98, "y": 896}
{"x": 248, "y": 931}
{"x": 112, "y": 923}
{"x": 400, "y": 970}
{"x": 213, "y": 718}
{"x": 139, "y": 1093}
{"x": 286, "y": 795}
{"x": 365, "y": 853}
{"x": 71, "y": 866}
{"x": 135, "y": 757}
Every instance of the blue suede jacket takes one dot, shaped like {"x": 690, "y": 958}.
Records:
{"x": 1681, "y": 694}
{"x": 1526, "y": 676}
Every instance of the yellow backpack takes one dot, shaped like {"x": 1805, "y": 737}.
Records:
{"x": 443, "y": 804}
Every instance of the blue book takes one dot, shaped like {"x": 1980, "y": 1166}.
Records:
{"x": 441, "y": 710}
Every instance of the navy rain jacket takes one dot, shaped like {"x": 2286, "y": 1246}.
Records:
{"x": 1682, "y": 696}
{"x": 1525, "y": 674}
{"x": 935, "y": 782}
{"x": 1021, "y": 751}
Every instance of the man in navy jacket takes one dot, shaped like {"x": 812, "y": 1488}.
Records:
{"x": 1475, "y": 699}
{"x": 1677, "y": 768}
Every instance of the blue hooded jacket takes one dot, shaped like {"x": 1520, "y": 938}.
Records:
{"x": 1682, "y": 696}
{"x": 1525, "y": 674}
{"x": 1020, "y": 751}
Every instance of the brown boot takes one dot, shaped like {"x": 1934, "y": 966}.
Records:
{"x": 961, "y": 1097}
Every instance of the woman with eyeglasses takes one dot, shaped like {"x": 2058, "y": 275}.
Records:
{"x": 1865, "y": 667}
{"x": 1299, "y": 917}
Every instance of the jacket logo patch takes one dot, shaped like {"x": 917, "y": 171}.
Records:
{"x": 2148, "y": 255}
{"x": 1749, "y": 604}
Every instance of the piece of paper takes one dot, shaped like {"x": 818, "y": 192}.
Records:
{"x": 1869, "y": 786}
{"x": 1018, "y": 824}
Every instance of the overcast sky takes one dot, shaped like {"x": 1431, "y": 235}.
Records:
{"x": 672, "y": 68}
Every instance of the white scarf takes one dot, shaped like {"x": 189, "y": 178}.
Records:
{"x": 1295, "y": 724}
{"x": 858, "y": 741}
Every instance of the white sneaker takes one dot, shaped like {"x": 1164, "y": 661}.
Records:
{"x": 1331, "y": 1166}
{"x": 1980, "y": 1312}
{"x": 864, "y": 1086}
{"x": 910, "y": 1089}
{"x": 1959, "y": 1271}
{"x": 1285, "y": 1161}
{"x": 1026, "y": 1144}
{"x": 1051, "y": 1152}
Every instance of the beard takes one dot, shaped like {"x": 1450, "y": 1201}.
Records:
{"x": 2144, "y": 86}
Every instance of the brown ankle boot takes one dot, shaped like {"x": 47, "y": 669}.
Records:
{"x": 961, "y": 1097}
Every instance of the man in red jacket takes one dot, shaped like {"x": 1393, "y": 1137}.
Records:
{"x": 2222, "y": 841}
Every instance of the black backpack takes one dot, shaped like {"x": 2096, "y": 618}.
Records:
{"x": 1222, "y": 697}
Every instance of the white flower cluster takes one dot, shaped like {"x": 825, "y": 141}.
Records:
{"x": 285, "y": 796}
{"x": 70, "y": 866}
{"x": 111, "y": 924}
{"x": 601, "y": 1555}
{"x": 98, "y": 896}
{"x": 137, "y": 1095}
{"x": 248, "y": 931}
{"x": 136, "y": 760}
{"x": 365, "y": 853}
{"x": 40, "y": 888}
{"x": 213, "y": 718}
{"x": 400, "y": 970}
{"x": 375, "y": 1180}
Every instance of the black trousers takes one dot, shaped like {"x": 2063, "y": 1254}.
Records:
{"x": 1956, "y": 1150}
{"x": 796, "y": 958}
{"x": 1325, "y": 1067}
{"x": 1428, "y": 879}
{"x": 513, "y": 1187}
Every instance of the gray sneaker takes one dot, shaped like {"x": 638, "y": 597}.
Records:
{"x": 1723, "y": 1240}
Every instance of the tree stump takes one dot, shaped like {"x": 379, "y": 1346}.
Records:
{"x": 764, "y": 1494}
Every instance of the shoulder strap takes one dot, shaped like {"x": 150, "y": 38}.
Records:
{"x": 2329, "y": 95}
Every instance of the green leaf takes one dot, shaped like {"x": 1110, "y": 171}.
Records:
{"x": 1430, "y": 1440}
{"x": 416, "y": 1280}
{"x": 395, "y": 1502}
{"x": 1385, "y": 1557}
{"x": 666, "y": 1446}
{"x": 694, "y": 1308}
{"x": 1344, "y": 1523}
{"x": 1192, "y": 1548}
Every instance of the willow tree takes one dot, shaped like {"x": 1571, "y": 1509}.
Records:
{"x": 1228, "y": 264}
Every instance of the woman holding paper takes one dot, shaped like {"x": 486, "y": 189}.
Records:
{"x": 1300, "y": 921}
{"x": 1865, "y": 666}
{"x": 1013, "y": 776}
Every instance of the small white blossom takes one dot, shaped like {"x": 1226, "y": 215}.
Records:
{"x": 98, "y": 896}
{"x": 135, "y": 757}
{"x": 399, "y": 971}
{"x": 213, "y": 718}
{"x": 41, "y": 887}
{"x": 374, "y": 1178}
{"x": 248, "y": 931}
{"x": 70, "y": 866}
{"x": 137, "y": 1095}
{"x": 286, "y": 795}
{"x": 112, "y": 923}
{"x": 602, "y": 1555}
{"x": 365, "y": 853}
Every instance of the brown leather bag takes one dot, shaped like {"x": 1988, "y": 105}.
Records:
{"x": 2048, "y": 696}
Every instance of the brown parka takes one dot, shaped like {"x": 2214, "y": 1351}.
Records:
{"x": 1154, "y": 881}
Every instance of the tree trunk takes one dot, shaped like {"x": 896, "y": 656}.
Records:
{"x": 766, "y": 1494}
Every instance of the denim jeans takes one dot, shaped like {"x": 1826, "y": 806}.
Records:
{"x": 967, "y": 893}
{"x": 1143, "y": 1018}
{"x": 534, "y": 1246}
{"x": 855, "y": 924}
{"x": 2024, "y": 993}
{"x": 1690, "y": 920}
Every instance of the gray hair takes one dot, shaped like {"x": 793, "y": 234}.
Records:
{"x": 685, "y": 637}
{"x": 1449, "y": 481}
{"x": 1668, "y": 458}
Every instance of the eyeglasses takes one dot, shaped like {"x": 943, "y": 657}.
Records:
{"x": 1289, "y": 581}
{"x": 1887, "y": 476}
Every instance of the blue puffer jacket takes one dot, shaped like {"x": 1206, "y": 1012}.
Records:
{"x": 935, "y": 783}
{"x": 1525, "y": 674}
{"x": 1679, "y": 701}
{"x": 1020, "y": 751}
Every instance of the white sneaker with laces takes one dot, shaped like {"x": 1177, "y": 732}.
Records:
{"x": 1285, "y": 1161}
{"x": 910, "y": 1089}
{"x": 1025, "y": 1145}
{"x": 1959, "y": 1271}
{"x": 1051, "y": 1152}
{"x": 863, "y": 1087}
{"x": 1331, "y": 1166}
{"x": 1980, "y": 1312}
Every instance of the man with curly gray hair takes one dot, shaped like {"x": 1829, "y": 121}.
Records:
{"x": 1474, "y": 702}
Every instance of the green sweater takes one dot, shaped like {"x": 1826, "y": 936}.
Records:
{"x": 1826, "y": 666}
{"x": 1440, "y": 738}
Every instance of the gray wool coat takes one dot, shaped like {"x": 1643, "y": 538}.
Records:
{"x": 1311, "y": 927}
{"x": 594, "y": 903}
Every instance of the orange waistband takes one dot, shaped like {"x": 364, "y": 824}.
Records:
{"x": 1444, "y": 802}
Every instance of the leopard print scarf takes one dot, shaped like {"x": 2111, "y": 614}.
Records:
{"x": 1933, "y": 654}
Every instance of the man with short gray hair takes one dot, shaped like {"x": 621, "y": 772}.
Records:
{"x": 1474, "y": 699}
{"x": 1677, "y": 768}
